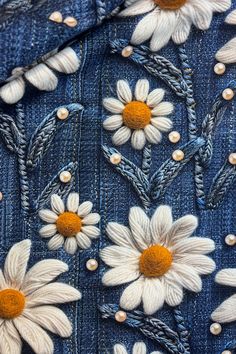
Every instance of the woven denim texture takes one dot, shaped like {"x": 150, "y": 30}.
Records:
{"x": 79, "y": 140}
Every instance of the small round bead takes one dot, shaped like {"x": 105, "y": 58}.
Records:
{"x": 226, "y": 352}
{"x": 127, "y": 51}
{"x": 219, "y": 69}
{"x": 1, "y": 196}
{"x": 120, "y": 316}
{"x": 228, "y": 94}
{"x": 174, "y": 137}
{"x": 178, "y": 155}
{"x": 115, "y": 159}
{"x": 62, "y": 113}
{"x": 232, "y": 158}
{"x": 56, "y": 16}
{"x": 215, "y": 329}
{"x": 92, "y": 264}
{"x": 70, "y": 21}
{"x": 230, "y": 240}
{"x": 65, "y": 176}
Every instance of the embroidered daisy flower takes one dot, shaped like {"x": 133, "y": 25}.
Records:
{"x": 226, "y": 312}
{"x": 27, "y": 299}
{"x": 71, "y": 226}
{"x": 141, "y": 117}
{"x": 138, "y": 348}
{"x": 158, "y": 257}
{"x": 171, "y": 19}
{"x": 227, "y": 54}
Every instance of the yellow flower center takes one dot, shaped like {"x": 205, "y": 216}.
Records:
{"x": 155, "y": 261}
{"x": 136, "y": 115}
{"x": 68, "y": 224}
{"x": 12, "y": 303}
{"x": 170, "y": 4}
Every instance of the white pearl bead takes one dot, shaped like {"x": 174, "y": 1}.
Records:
{"x": 174, "y": 137}
{"x": 228, "y": 94}
{"x": 230, "y": 240}
{"x": 92, "y": 264}
{"x": 1, "y": 196}
{"x": 62, "y": 113}
{"x": 127, "y": 51}
{"x": 115, "y": 159}
{"x": 219, "y": 68}
{"x": 215, "y": 329}
{"x": 178, "y": 155}
{"x": 226, "y": 352}
{"x": 70, "y": 21}
{"x": 65, "y": 176}
{"x": 120, "y": 316}
{"x": 232, "y": 158}
{"x": 56, "y": 16}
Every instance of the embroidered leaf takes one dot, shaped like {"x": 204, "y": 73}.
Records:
{"x": 9, "y": 132}
{"x": 155, "y": 64}
{"x": 44, "y": 134}
{"x": 221, "y": 184}
{"x": 165, "y": 175}
{"x": 56, "y": 186}
{"x": 133, "y": 173}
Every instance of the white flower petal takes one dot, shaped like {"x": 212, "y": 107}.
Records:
{"x": 3, "y": 284}
{"x": 54, "y": 293}
{"x": 42, "y": 77}
{"x": 140, "y": 227}
{"x": 65, "y": 61}
{"x": 138, "y": 8}
{"x": 119, "y": 234}
{"x": 231, "y": 18}
{"x": 132, "y": 295}
{"x": 73, "y": 202}
{"x": 123, "y": 91}
{"x": 166, "y": 23}
{"x": 115, "y": 256}
{"x": 70, "y": 245}
{"x": 34, "y": 335}
{"x": 200, "y": 15}
{"x": 91, "y": 231}
{"x": 138, "y": 139}
{"x": 83, "y": 241}
{"x": 57, "y": 204}
{"x": 227, "y": 54}
{"x": 173, "y": 292}
{"x": 226, "y": 312}
{"x": 85, "y": 208}
{"x": 153, "y": 295}
{"x": 41, "y": 274}
{"x": 226, "y": 277}
{"x": 91, "y": 219}
{"x": 182, "y": 29}
{"x": 48, "y": 230}
{"x": 121, "y": 275}
{"x": 161, "y": 223}
{"x": 162, "y": 123}
{"x": 141, "y": 90}
{"x": 113, "y": 105}
{"x": 113, "y": 122}
{"x": 139, "y": 348}
{"x": 10, "y": 342}
{"x": 16, "y": 263}
{"x": 13, "y": 91}
{"x": 119, "y": 349}
{"x": 187, "y": 277}
{"x": 48, "y": 215}
{"x": 155, "y": 97}
{"x": 144, "y": 28}
{"x": 121, "y": 136}
{"x": 50, "y": 318}
{"x": 201, "y": 264}
{"x": 56, "y": 242}
{"x": 220, "y": 5}
{"x": 152, "y": 134}
{"x": 163, "y": 109}
{"x": 182, "y": 228}
{"x": 195, "y": 245}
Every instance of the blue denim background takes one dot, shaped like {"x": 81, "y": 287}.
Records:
{"x": 80, "y": 139}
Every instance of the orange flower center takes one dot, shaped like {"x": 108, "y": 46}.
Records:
{"x": 170, "y": 4}
{"x": 136, "y": 115}
{"x": 12, "y": 303}
{"x": 155, "y": 261}
{"x": 68, "y": 224}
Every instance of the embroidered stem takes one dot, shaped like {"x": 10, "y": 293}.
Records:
{"x": 231, "y": 346}
{"x": 147, "y": 159}
{"x": 182, "y": 330}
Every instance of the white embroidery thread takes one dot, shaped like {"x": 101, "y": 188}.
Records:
{"x": 138, "y": 348}
{"x": 227, "y": 54}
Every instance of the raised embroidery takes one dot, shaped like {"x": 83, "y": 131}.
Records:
{"x": 138, "y": 348}
{"x": 72, "y": 226}
{"x": 227, "y": 54}
{"x": 27, "y": 302}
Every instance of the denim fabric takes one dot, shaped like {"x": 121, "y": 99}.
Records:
{"x": 28, "y": 36}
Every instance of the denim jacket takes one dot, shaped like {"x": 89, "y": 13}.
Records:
{"x": 57, "y": 140}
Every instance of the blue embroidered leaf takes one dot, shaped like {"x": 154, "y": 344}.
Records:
{"x": 221, "y": 184}
{"x": 155, "y": 64}
{"x": 56, "y": 186}
{"x": 9, "y": 132}
{"x": 151, "y": 327}
{"x": 133, "y": 173}
{"x": 44, "y": 134}
{"x": 165, "y": 175}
